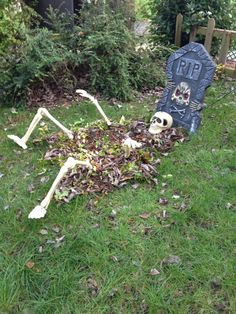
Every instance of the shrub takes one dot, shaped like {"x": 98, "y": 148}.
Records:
{"x": 99, "y": 50}
{"x": 107, "y": 45}
{"x": 14, "y": 18}
{"x": 146, "y": 70}
{"x": 142, "y": 9}
{"x": 38, "y": 58}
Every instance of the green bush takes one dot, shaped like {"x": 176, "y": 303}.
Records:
{"x": 146, "y": 70}
{"x": 40, "y": 57}
{"x": 14, "y": 18}
{"x": 142, "y": 9}
{"x": 99, "y": 50}
{"x": 107, "y": 45}
{"x": 197, "y": 12}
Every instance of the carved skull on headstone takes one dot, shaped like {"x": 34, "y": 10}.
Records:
{"x": 181, "y": 94}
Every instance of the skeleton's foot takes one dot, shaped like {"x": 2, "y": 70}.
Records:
{"x": 19, "y": 141}
{"x": 37, "y": 213}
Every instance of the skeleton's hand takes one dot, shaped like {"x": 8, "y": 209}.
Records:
{"x": 195, "y": 106}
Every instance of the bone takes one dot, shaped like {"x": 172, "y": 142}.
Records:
{"x": 22, "y": 141}
{"x": 83, "y": 93}
{"x": 40, "y": 210}
{"x": 57, "y": 123}
{"x": 130, "y": 144}
{"x": 39, "y": 115}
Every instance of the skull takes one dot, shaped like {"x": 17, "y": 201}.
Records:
{"x": 160, "y": 121}
{"x": 181, "y": 94}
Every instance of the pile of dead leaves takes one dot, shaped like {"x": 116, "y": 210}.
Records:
{"x": 103, "y": 146}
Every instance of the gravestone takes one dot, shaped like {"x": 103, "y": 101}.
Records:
{"x": 190, "y": 71}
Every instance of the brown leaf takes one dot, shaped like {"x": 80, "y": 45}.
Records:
{"x": 216, "y": 284}
{"x": 183, "y": 207}
{"x": 135, "y": 186}
{"x": 30, "y": 264}
{"x": 93, "y": 287}
{"x": 56, "y": 229}
{"x": 96, "y": 226}
{"x": 145, "y": 215}
{"x": 127, "y": 289}
{"x": 114, "y": 259}
{"x": 154, "y": 272}
{"x": 43, "y": 231}
{"x": 172, "y": 260}
{"x": 175, "y": 196}
{"x": 44, "y": 179}
{"x": 19, "y": 214}
{"x": 112, "y": 292}
{"x": 40, "y": 249}
{"x": 31, "y": 188}
{"x": 91, "y": 205}
{"x": 163, "y": 201}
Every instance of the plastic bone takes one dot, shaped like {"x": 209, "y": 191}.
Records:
{"x": 39, "y": 115}
{"x": 159, "y": 122}
{"x": 130, "y": 144}
{"x": 83, "y": 93}
{"x": 40, "y": 210}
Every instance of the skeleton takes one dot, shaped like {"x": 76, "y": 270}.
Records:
{"x": 128, "y": 144}
{"x": 40, "y": 210}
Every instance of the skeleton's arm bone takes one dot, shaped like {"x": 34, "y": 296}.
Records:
{"x": 39, "y": 115}
{"x": 95, "y": 102}
{"x": 40, "y": 210}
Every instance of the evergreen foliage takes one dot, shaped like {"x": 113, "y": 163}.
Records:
{"x": 99, "y": 49}
{"x": 195, "y": 12}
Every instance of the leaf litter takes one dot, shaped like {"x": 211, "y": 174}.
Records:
{"x": 102, "y": 145}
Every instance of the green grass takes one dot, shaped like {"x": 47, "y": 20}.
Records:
{"x": 119, "y": 254}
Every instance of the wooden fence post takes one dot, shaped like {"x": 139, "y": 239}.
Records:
{"x": 209, "y": 34}
{"x": 224, "y": 47}
{"x": 178, "y": 29}
{"x": 193, "y": 33}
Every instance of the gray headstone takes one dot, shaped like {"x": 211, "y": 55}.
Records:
{"x": 190, "y": 71}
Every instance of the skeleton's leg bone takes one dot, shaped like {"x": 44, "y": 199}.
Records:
{"x": 95, "y": 102}
{"x": 41, "y": 112}
{"x": 40, "y": 210}
{"x": 55, "y": 121}
{"x": 22, "y": 141}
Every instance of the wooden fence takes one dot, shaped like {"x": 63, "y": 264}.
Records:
{"x": 210, "y": 31}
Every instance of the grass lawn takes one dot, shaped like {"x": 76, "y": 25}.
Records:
{"x": 177, "y": 258}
